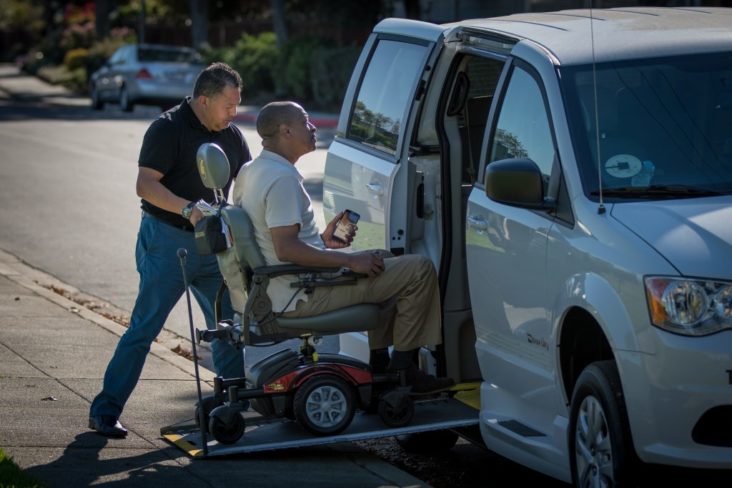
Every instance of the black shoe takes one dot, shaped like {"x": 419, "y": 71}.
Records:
{"x": 422, "y": 383}
{"x": 107, "y": 425}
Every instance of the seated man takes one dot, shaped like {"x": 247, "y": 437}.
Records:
{"x": 270, "y": 189}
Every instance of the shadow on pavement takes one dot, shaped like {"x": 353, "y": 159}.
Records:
{"x": 82, "y": 463}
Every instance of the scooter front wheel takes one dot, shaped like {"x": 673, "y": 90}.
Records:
{"x": 396, "y": 408}
{"x": 226, "y": 424}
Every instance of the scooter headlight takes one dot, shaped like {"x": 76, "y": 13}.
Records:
{"x": 689, "y": 307}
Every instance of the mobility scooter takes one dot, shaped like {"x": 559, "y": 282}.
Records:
{"x": 320, "y": 392}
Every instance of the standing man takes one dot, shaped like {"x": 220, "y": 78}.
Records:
{"x": 270, "y": 189}
{"x": 169, "y": 185}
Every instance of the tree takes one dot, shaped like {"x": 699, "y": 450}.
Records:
{"x": 278, "y": 21}
{"x": 102, "y": 9}
{"x": 199, "y": 22}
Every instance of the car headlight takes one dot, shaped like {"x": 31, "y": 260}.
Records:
{"x": 688, "y": 306}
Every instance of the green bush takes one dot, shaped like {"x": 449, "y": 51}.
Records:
{"x": 293, "y": 72}
{"x": 253, "y": 57}
{"x": 305, "y": 69}
{"x": 76, "y": 58}
{"x": 12, "y": 476}
{"x": 331, "y": 73}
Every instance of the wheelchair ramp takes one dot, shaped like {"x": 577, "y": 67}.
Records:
{"x": 263, "y": 434}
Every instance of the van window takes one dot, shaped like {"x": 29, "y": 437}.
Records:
{"x": 384, "y": 94}
{"x": 523, "y": 128}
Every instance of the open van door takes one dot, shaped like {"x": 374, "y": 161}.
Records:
{"x": 363, "y": 169}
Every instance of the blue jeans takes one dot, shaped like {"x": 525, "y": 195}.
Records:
{"x": 161, "y": 286}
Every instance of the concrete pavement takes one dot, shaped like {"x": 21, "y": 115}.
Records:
{"x": 54, "y": 353}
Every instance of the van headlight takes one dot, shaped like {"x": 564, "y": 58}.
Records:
{"x": 689, "y": 307}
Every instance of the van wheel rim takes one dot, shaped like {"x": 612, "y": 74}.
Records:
{"x": 593, "y": 446}
{"x": 326, "y": 406}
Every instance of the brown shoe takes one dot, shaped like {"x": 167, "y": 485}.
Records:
{"x": 423, "y": 383}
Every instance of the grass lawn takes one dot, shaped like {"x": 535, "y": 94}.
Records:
{"x": 11, "y": 476}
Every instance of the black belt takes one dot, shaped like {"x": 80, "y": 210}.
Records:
{"x": 185, "y": 227}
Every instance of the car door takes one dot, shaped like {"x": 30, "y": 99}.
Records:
{"x": 506, "y": 248}
{"x": 363, "y": 169}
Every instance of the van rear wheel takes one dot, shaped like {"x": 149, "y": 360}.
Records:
{"x": 600, "y": 447}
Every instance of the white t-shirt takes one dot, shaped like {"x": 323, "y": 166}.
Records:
{"x": 270, "y": 189}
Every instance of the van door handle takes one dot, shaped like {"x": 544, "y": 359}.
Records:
{"x": 477, "y": 222}
{"x": 375, "y": 188}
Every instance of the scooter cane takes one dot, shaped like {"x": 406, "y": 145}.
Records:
{"x": 182, "y": 255}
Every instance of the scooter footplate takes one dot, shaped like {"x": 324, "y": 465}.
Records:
{"x": 447, "y": 413}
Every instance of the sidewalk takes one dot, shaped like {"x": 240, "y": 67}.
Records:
{"x": 54, "y": 353}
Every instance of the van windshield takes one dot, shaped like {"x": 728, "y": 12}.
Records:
{"x": 664, "y": 125}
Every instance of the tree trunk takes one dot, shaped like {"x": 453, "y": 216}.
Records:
{"x": 199, "y": 22}
{"x": 102, "y": 8}
{"x": 278, "y": 21}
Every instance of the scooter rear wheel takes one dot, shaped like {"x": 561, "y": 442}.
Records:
{"x": 209, "y": 402}
{"x": 324, "y": 404}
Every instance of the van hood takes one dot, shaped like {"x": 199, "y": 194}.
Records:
{"x": 694, "y": 235}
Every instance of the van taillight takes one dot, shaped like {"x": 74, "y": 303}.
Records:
{"x": 143, "y": 74}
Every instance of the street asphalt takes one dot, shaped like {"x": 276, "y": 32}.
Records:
{"x": 53, "y": 355}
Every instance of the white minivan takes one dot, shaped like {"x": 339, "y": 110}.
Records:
{"x": 570, "y": 176}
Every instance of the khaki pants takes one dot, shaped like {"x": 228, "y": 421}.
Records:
{"x": 412, "y": 280}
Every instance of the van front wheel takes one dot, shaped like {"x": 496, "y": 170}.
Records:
{"x": 600, "y": 447}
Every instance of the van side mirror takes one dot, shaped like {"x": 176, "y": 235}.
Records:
{"x": 213, "y": 166}
{"x": 515, "y": 182}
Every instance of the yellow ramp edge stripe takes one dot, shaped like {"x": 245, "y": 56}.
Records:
{"x": 468, "y": 393}
{"x": 179, "y": 441}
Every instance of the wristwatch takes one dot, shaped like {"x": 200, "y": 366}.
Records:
{"x": 187, "y": 210}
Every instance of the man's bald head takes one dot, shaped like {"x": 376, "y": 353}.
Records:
{"x": 275, "y": 114}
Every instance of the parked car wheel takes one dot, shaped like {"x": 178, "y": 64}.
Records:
{"x": 324, "y": 405}
{"x": 601, "y": 451}
{"x": 96, "y": 102}
{"x": 124, "y": 100}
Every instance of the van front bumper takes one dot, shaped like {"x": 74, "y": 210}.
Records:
{"x": 677, "y": 398}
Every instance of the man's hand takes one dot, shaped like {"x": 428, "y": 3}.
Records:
{"x": 333, "y": 243}
{"x": 196, "y": 215}
{"x": 366, "y": 262}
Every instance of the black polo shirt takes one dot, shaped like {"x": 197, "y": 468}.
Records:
{"x": 170, "y": 146}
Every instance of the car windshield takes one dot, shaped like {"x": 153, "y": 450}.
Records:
{"x": 168, "y": 55}
{"x": 664, "y": 126}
